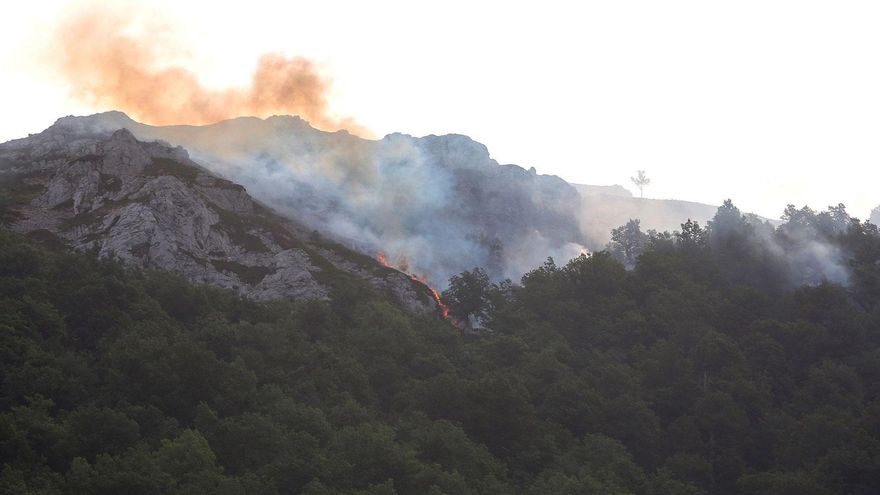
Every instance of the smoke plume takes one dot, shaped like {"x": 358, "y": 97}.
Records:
{"x": 112, "y": 60}
{"x": 435, "y": 205}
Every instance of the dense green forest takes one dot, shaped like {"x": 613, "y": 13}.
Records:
{"x": 735, "y": 357}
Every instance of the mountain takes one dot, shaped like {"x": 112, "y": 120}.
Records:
{"x": 704, "y": 370}
{"x": 435, "y": 205}
{"x": 740, "y": 359}
{"x": 875, "y": 216}
{"x": 149, "y": 204}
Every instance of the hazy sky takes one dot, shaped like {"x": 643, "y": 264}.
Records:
{"x": 766, "y": 102}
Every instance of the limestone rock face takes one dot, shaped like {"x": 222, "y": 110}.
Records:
{"x": 149, "y": 204}
{"x": 437, "y": 205}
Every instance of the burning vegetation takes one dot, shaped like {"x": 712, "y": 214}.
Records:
{"x": 403, "y": 267}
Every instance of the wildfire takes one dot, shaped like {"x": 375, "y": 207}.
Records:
{"x": 380, "y": 257}
{"x": 444, "y": 309}
{"x": 422, "y": 279}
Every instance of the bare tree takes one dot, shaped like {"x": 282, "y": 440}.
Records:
{"x": 641, "y": 180}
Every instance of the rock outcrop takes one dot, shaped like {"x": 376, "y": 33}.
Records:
{"x": 149, "y": 204}
{"x": 436, "y": 205}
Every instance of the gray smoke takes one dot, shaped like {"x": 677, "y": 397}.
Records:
{"x": 435, "y": 205}
{"x": 801, "y": 250}
{"x": 438, "y": 205}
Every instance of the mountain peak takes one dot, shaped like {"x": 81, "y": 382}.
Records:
{"x": 104, "y": 121}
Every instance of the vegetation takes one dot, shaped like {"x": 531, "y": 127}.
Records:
{"x": 167, "y": 166}
{"x": 641, "y": 181}
{"x": 17, "y": 190}
{"x": 468, "y": 295}
{"x": 252, "y": 275}
{"x": 725, "y": 361}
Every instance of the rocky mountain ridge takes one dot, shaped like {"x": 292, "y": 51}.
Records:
{"x": 435, "y": 205}
{"x": 149, "y": 204}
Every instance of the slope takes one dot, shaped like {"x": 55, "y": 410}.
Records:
{"x": 606, "y": 208}
{"x": 434, "y": 205}
{"x": 149, "y": 204}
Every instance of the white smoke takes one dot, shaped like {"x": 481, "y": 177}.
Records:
{"x": 435, "y": 206}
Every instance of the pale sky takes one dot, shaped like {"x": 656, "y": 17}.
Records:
{"x": 765, "y": 102}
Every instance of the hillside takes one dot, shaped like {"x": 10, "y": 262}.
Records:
{"x": 604, "y": 208}
{"x": 721, "y": 364}
{"x": 434, "y": 205}
{"x": 150, "y": 205}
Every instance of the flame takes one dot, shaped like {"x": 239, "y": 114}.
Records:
{"x": 380, "y": 257}
{"x": 422, "y": 279}
{"x": 444, "y": 309}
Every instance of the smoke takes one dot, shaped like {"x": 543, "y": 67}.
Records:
{"x": 433, "y": 210}
{"x": 113, "y": 60}
{"x": 436, "y": 205}
{"x": 811, "y": 242}
{"x": 803, "y": 250}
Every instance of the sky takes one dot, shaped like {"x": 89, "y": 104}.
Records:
{"x": 764, "y": 102}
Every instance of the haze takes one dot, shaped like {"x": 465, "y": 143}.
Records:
{"x": 766, "y": 103}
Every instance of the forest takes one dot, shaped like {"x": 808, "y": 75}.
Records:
{"x": 737, "y": 357}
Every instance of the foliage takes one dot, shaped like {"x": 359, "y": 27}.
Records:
{"x": 641, "y": 181}
{"x": 714, "y": 365}
{"x": 627, "y": 243}
{"x": 468, "y": 295}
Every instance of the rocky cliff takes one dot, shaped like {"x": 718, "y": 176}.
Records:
{"x": 436, "y": 205}
{"x": 149, "y": 204}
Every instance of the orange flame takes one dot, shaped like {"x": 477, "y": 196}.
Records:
{"x": 422, "y": 279}
{"x": 444, "y": 309}
{"x": 380, "y": 257}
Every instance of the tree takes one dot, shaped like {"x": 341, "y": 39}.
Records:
{"x": 468, "y": 295}
{"x": 834, "y": 221}
{"x": 641, "y": 180}
{"x": 691, "y": 234}
{"x": 730, "y": 231}
{"x": 627, "y": 243}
